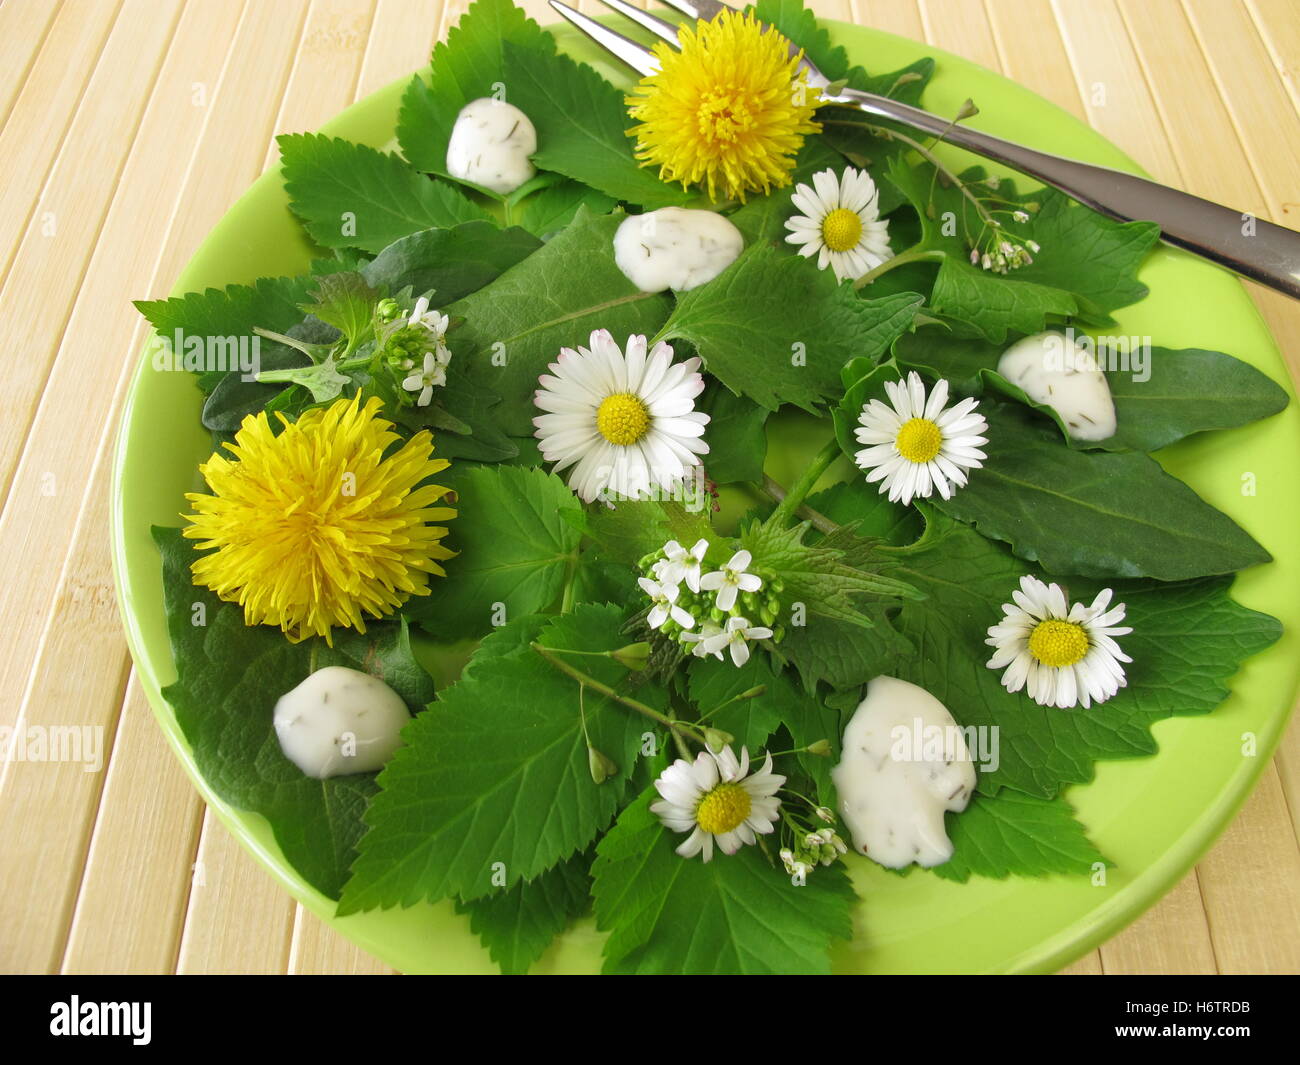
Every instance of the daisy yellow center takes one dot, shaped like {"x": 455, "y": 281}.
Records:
{"x": 919, "y": 440}
{"x": 729, "y": 109}
{"x": 724, "y": 809}
{"x": 842, "y": 229}
{"x": 623, "y": 419}
{"x": 1058, "y": 643}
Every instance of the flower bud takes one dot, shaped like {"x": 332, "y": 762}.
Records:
{"x": 633, "y": 656}
{"x": 716, "y": 739}
{"x": 822, "y": 748}
{"x": 601, "y": 767}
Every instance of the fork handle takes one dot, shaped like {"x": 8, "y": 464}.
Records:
{"x": 1260, "y": 250}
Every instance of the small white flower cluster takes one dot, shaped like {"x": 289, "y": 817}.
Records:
{"x": 823, "y": 847}
{"x": 1000, "y": 256}
{"x": 724, "y": 603}
{"x": 433, "y": 370}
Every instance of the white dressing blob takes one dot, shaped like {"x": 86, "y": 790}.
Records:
{"x": 1055, "y": 371}
{"x": 339, "y": 721}
{"x": 490, "y": 145}
{"x": 676, "y": 248}
{"x": 905, "y": 763}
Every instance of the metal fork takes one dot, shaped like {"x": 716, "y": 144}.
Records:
{"x": 1267, "y": 253}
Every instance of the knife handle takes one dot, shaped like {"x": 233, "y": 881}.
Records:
{"x": 1252, "y": 247}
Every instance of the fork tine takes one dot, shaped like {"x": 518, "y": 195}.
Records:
{"x": 665, "y": 31}
{"x": 640, "y": 59}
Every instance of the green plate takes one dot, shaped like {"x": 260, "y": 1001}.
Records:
{"x": 1154, "y": 817}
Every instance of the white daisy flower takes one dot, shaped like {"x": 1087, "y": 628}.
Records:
{"x": 623, "y": 423}
{"x": 708, "y": 630}
{"x": 715, "y": 799}
{"x": 916, "y": 446}
{"x": 664, "y": 598}
{"x": 434, "y": 372}
{"x": 736, "y": 636}
{"x": 840, "y": 223}
{"x": 731, "y": 580}
{"x": 681, "y": 564}
{"x": 1061, "y": 654}
{"x": 435, "y": 322}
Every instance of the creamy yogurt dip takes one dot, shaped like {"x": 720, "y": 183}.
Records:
{"x": 676, "y": 248}
{"x": 1055, "y": 371}
{"x": 339, "y": 721}
{"x": 490, "y": 145}
{"x": 893, "y": 796}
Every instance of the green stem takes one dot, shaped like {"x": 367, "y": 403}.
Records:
{"x": 912, "y": 256}
{"x": 776, "y": 493}
{"x": 807, "y": 480}
{"x": 566, "y": 603}
{"x": 610, "y": 693}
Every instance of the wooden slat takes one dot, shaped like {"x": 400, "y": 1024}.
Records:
{"x": 136, "y": 886}
{"x": 400, "y": 41}
{"x": 1045, "y": 67}
{"x": 901, "y": 17}
{"x": 961, "y": 27}
{"x": 1088, "y": 965}
{"x": 317, "y": 948}
{"x": 23, "y": 27}
{"x": 1248, "y": 883}
{"x": 43, "y": 110}
{"x": 1278, "y": 24}
{"x": 238, "y": 920}
{"x": 1172, "y": 937}
{"x": 326, "y": 68}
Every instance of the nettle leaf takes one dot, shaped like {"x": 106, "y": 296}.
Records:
{"x": 1037, "y": 495}
{"x": 1187, "y": 641}
{"x": 750, "y": 721}
{"x": 551, "y": 209}
{"x": 229, "y": 314}
{"x": 800, "y": 26}
{"x": 494, "y": 777}
{"x": 1183, "y": 392}
{"x": 345, "y": 301}
{"x": 516, "y": 543}
{"x": 469, "y": 65}
{"x": 737, "y": 436}
{"x": 229, "y": 677}
{"x": 351, "y": 195}
{"x": 737, "y": 914}
{"x": 1085, "y": 264}
{"x": 518, "y": 924}
{"x": 1010, "y": 834}
{"x": 822, "y": 576}
{"x": 633, "y": 528}
{"x": 773, "y": 328}
{"x": 514, "y": 327}
{"x": 582, "y": 124}
{"x": 450, "y": 263}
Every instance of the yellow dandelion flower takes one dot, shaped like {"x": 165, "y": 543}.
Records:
{"x": 730, "y": 110}
{"x": 319, "y": 526}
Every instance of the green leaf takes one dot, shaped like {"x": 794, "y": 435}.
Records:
{"x": 1010, "y": 834}
{"x": 1085, "y": 262}
{"x": 1187, "y": 641}
{"x": 737, "y": 914}
{"x": 345, "y": 301}
{"x": 1186, "y": 392}
{"x": 737, "y": 436}
{"x": 229, "y": 677}
{"x": 451, "y": 263}
{"x": 1099, "y": 514}
{"x": 469, "y": 65}
{"x": 751, "y": 721}
{"x": 582, "y": 124}
{"x": 773, "y": 328}
{"x": 518, "y": 924}
{"x": 800, "y": 26}
{"x": 554, "y": 207}
{"x": 231, "y": 313}
{"x": 350, "y": 195}
{"x": 515, "y": 548}
{"x": 494, "y": 777}
{"x": 514, "y": 327}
